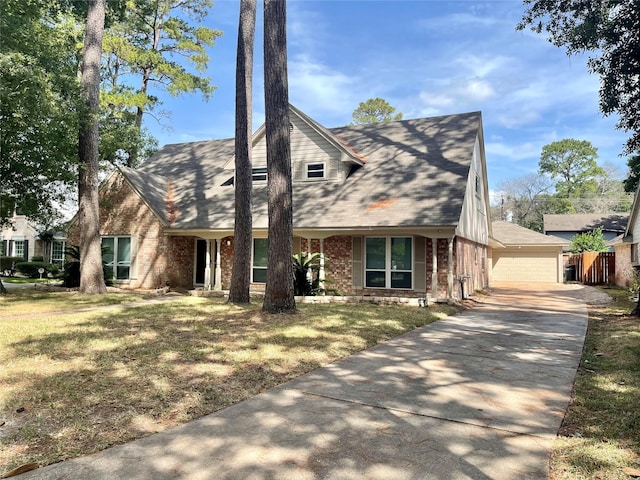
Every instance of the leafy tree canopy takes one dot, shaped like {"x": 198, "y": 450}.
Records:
{"x": 589, "y": 242}
{"x": 38, "y": 106}
{"x": 631, "y": 182}
{"x": 573, "y": 164}
{"x": 610, "y": 31}
{"x": 374, "y": 110}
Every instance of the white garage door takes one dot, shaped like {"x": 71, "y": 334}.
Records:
{"x": 524, "y": 266}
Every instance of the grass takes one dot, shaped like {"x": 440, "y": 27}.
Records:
{"x": 73, "y": 383}
{"x": 600, "y": 436}
{"x": 25, "y": 280}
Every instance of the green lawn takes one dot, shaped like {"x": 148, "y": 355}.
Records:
{"x": 600, "y": 437}
{"x": 77, "y": 382}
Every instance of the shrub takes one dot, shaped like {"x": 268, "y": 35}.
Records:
{"x": 8, "y": 265}
{"x": 37, "y": 258}
{"x": 30, "y": 269}
{"x": 304, "y": 265}
{"x": 71, "y": 275}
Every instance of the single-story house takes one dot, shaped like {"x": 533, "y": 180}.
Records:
{"x": 398, "y": 208}
{"x": 522, "y": 255}
{"x": 568, "y": 225}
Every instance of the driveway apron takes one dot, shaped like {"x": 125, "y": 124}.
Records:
{"x": 479, "y": 395}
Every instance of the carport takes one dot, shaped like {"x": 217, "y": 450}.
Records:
{"x": 522, "y": 255}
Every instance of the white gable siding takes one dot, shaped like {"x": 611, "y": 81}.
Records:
{"x": 474, "y": 219}
{"x": 307, "y": 146}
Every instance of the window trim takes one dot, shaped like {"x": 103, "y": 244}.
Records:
{"x": 16, "y": 252}
{"x": 322, "y": 170}
{"x": 115, "y": 263}
{"x": 63, "y": 246}
{"x": 389, "y": 270}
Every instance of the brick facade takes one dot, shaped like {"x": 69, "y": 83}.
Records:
{"x": 169, "y": 260}
{"x": 160, "y": 260}
{"x": 624, "y": 266}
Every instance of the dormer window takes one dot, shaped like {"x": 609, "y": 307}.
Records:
{"x": 315, "y": 170}
{"x": 259, "y": 174}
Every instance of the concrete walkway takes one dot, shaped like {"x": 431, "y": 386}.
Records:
{"x": 477, "y": 396}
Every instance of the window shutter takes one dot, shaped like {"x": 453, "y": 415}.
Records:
{"x": 26, "y": 250}
{"x": 5, "y": 248}
{"x": 297, "y": 245}
{"x": 420, "y": 264}
{"x": 133, "y": 270}
{"x": 357, "y": 269}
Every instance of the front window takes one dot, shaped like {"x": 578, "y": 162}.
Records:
{"x": 389, "y": 262}
{"x": 18, "y": 248}
{"x": 116, "y": 255}
{"x": 259, "y": 267}
{"x": 57, "y": 253}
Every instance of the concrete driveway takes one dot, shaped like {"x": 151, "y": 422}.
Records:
{"x": 477, "y": 396}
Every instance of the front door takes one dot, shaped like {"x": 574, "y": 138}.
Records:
{"x": 201, "y": 261}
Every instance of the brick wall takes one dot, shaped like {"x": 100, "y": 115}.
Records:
{"x": 471, "y": 259}
{"x": 624, "y": 268}
{"x": 160, "y": 259}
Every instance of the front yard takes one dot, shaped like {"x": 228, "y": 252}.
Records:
{"x": 600, "y": 437}
{"x": 75, "y": 381}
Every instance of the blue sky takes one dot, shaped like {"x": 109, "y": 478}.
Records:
{"x": 426, "y": 58}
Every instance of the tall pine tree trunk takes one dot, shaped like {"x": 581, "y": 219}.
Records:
{"x": 91, "y": 275}
{"x": 241, "y": 273}
{"x": 279, "y": 294}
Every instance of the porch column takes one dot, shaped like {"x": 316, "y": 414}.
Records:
{"x": 450, "y": 270}
{"x": 207, "y": 266}
{"x": 309, "y": 272}
{"x": 217, "y": 277}
{"x": 321, "y": 270}
{"x": 434, "y": 270}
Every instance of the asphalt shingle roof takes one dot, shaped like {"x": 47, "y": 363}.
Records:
{"x": 415, "y": 175}
{"x": 510, "y": 234}
{"x": 585, "y": 222}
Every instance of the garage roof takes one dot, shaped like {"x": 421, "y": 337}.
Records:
{"x": 510, "y": 234}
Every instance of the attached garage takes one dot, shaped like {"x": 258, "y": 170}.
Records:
{"x": 522, "y": 255}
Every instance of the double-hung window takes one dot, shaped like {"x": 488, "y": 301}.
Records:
{"x": 116, "y": 255}
{"x": 18, "y": 248}
{"x": 389, "y": 262}
{"x": 259, "y": 265}
{"x": 57, "y": 252}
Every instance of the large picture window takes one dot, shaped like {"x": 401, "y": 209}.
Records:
{"x": 259, "y": 267}
{"x": 116, "y": 255}
{"x": 389, "y": 262}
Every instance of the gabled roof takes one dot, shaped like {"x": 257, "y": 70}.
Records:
{"x": 509, "y": 234}
{"x": 585, "y": 222}
{"x": 415, "y": 175}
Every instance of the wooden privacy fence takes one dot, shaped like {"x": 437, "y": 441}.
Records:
{"x": 594, "y": 268}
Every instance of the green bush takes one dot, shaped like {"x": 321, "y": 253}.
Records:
{"x": 71, "y": 275}
{"x": 37, "y": 258}
{"x": 30, "y": 269}
{"x": 8, "y": 265}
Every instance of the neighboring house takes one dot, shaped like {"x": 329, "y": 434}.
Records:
{"x": 568, "y": 226}
{"x": 398, "y": 208}
{"x": 522, "y": 255}
{"x": 22, "y": 239}
{"x": 19, "y": 239}
{"x": 627, "y": 248}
